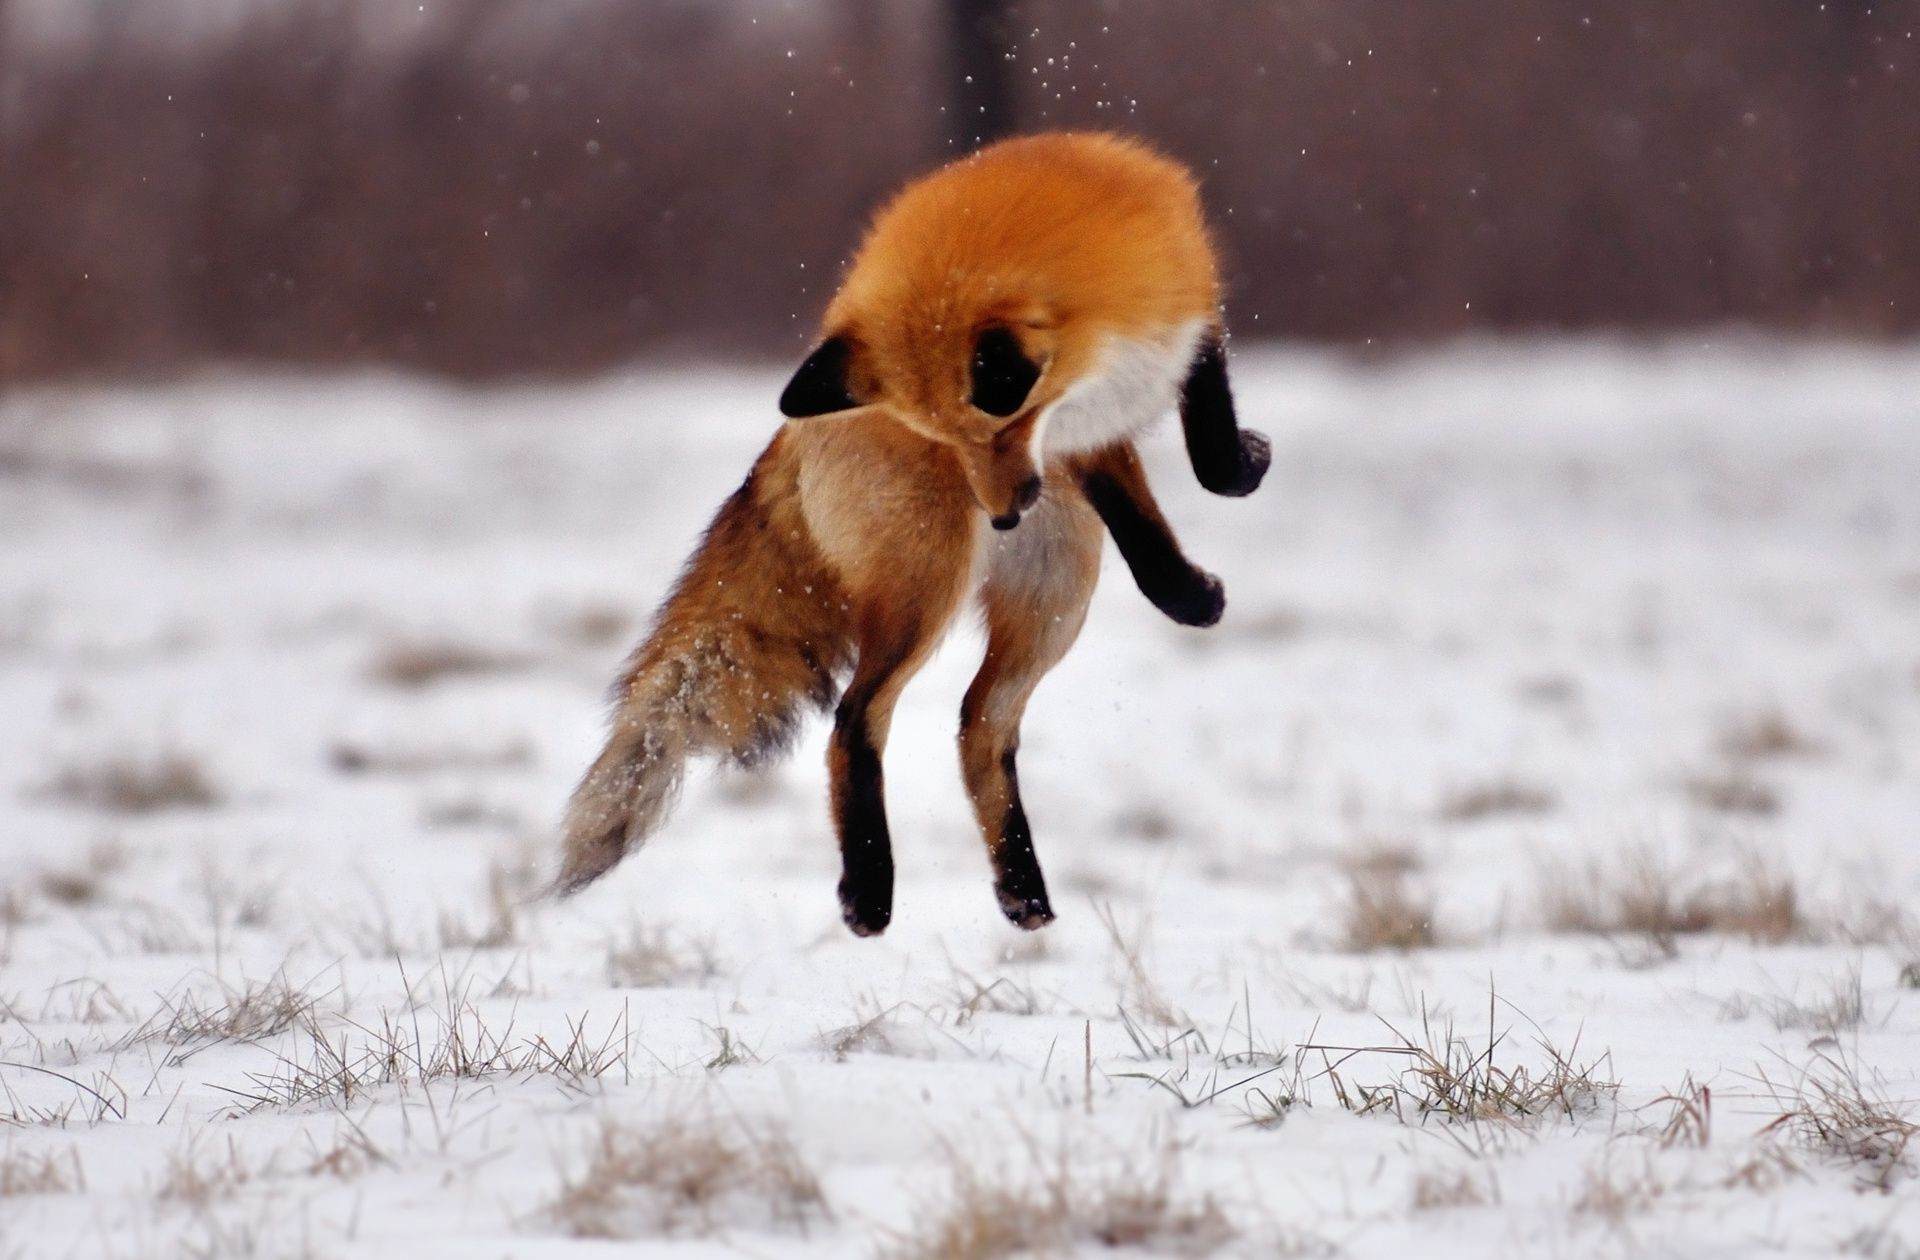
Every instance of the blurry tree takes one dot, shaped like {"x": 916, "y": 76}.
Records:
{"x": 979, "y": 33}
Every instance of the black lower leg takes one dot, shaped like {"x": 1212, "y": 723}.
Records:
{"x": 1191, "y": 596}
{"x": 1226, "y": 458}
{"x": 1016, "y": 868}
{"x": 866, "y": 850}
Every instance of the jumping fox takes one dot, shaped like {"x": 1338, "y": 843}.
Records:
{"x": 1010, "y": 323}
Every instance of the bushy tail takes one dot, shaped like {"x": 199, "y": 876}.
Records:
{"x": 750, "y": 638}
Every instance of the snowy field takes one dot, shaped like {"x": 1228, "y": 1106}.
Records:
{"x": 1525, "y": 866}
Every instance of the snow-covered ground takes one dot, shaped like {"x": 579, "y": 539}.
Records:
{"x": 1567, "y": 693}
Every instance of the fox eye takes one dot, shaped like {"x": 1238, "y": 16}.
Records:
{"x": 1002, "y": 373}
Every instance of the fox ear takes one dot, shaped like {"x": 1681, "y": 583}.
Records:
{"x": 820, "y": 385}
{"x": 1002, "y": 373}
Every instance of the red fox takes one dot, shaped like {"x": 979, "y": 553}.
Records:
{"x": 1009, "y": 324}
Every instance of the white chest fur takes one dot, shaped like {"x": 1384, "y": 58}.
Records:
{"x": 1135, "y": 381}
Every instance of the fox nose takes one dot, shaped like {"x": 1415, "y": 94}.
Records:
{"x": 1025, "y": 495}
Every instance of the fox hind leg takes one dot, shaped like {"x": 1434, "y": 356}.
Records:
{"x": 889, "y": 656}
{"x": 1035, "y": 599}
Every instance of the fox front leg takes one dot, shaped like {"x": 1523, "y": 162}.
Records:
{"x": 1226, "y": 458}
{"x": 1115, "y": 485}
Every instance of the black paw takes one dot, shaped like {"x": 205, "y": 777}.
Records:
{"x": 1198, "y": 601}
{"x": 1256, "y": 455}
{"x": 866, "y": 906}
{"x": 1023, "y": 910}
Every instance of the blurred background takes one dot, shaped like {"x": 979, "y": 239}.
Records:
{"x": 532, "y": 188}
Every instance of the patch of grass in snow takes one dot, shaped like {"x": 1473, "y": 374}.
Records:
{"x": 1141, "y": 993}
{"x": 1061, "y": 1206}
{"x": 1385, "y": 908}
{"x": 137, "y": 783}
{"x": 1436, "y": 1190}
{"x": 1841, "y": 1007}
{"x": 83, "y": 884}
{"x": 687, "y": 1175}
{"x": 1441, "y": 1074}
{"x": 28, "y": 1172}
{"x": 1504, "y": 796}
{"x": 1829, "y": 1109}
{"x": 340, "y": 1065}
{"x": 247, "y": 1013}
{"x": 1641, "y": 895}
{"x": 414, "y": 664}
{"x": 1732, "y": 789}
{"x": 1762, "y": 734}
{"x": 648, "y": 956}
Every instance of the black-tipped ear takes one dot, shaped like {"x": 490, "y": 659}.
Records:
{"x": 1002, "y": 373}
{"x": 820, "y": 386}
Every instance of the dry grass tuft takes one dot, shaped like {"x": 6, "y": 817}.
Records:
{"x": 1733, "y": 789}
{"x": 1619, "y": 1197}
{"x": 412, "y": 664}
{"x": 1442, "y": 1075}
{"x": 25, "y": 1173}
{"x": 348, "y": 757}
{"x": 510, "y": 883}
{"x": 1065, "y": 1210}
{"x": 1441, "y": 1190}
{"x": 1643, "y": 896}
{"x": 413, "y": 1049}
{"x": 1141, "y": 992}
{"x": 1385, "y": 911}
{"x": 681, "y": 1175}
{"x": 1689, "y": 1121}
{"x": 249, "y": 1013}
{"x": 1829, "y": 1110}
{"x": 199, "y": 1179}
{"x": 1495, "y": 798}
{"x": 1763, "y": 734}
{"x": 649, "y": 957}
{"x": 83, "y": 884}
{"x": 1841, "y": 1007}
{"x": 592, "y": 625}
{"x": 128, "y": 783}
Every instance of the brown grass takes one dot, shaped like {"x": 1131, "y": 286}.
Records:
{"x": 412, "y": 664}
{"x": 40, "y": 1172}
{"x": 646, "y": 956}
{"x": 198, "y": 1176}
{"x": 1141, "y": 993}
{"x": 1733, "y": 789}
{"x": 1442, "y": 1074}
{"x": 1618, "y": 1196}
{"x": 1763, "y": 734}
{"x": 1384, "y": 909}
{"x": 1061, "y": 1208}
{"x": 133, "y": 783}
{"x": 1641, "y": 895}
{"x": 1441, "y": 1190}
{"x": 348, "y": 757}
{"x": 685, "y": 1175}
{"x": 1494, "y": 798}
{"x": 1830, "y": 1110}
{"x": 84, "y": 883}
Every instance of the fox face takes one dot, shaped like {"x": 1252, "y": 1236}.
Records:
{"x": 988, "y": 410}
{"x": 1043, "y": 297}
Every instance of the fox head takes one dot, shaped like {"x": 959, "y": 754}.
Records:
{"x": 980, "y": 390}
{"x": 1048, "y": 290}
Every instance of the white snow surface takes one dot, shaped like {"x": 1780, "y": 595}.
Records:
{"x": 1562, "y": 576}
